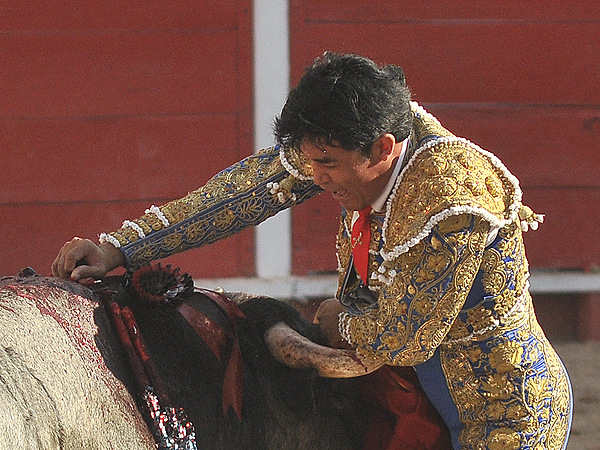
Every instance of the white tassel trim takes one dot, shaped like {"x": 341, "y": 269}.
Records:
{"x": 104, "y": 237}
{"x": 344, "y": 326}
{"x": 525, "y": 226}
{"x": 290, "y": 168}
{"x": 529, "y": 219}
{"x": 135, "y": 227}
{"x": 494, "y": 221}
{"x": 452, "y": 211}
{"x": 158, "y": 213}
{"x": 279, "y": 191}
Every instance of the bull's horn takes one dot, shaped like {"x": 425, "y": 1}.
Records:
{"x": 292, "y": 349}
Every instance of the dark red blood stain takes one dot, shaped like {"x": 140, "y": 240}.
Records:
{"x": 79, "y": 309}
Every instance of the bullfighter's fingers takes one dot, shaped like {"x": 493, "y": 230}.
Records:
{"x": 59, "y": 264}
{"x": 72, "y": 253}
{"x": 85, "y": 260}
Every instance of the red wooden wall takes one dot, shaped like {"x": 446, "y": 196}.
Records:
{"x": 520, "y": 79}
{"x": 108, "y": 107}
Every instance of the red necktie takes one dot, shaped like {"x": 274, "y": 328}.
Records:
{"x": 361, "y": 237}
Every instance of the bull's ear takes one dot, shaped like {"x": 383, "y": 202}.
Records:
{"x": 27, "y": 272}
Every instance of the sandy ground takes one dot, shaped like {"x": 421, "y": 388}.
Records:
{"x": 583, "y": 364}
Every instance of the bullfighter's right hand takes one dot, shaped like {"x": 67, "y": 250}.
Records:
{"x": 82, "y": 260}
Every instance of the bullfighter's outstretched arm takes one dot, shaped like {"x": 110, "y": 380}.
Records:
{"x": 243, "y": 195}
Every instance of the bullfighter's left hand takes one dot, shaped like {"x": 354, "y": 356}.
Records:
{"x": 327, "y": 318}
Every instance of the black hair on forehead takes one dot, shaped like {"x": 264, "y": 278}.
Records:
{"x": 348, "y": 101}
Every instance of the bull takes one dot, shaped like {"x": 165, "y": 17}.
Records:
{"x": 67, "y": 383}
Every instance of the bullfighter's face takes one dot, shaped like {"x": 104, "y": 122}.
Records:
{"x": 353, "y": 180}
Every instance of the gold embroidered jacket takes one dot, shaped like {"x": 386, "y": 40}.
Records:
{"x": 448, "y": 268}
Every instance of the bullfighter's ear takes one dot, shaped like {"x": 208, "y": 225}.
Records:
{"x": 385, "y": 148}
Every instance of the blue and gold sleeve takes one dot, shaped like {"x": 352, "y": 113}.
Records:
{"x": 243, "y": 195}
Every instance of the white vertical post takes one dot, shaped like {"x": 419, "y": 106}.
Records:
{"x": 271, "y": 85}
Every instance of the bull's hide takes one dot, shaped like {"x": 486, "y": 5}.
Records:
{"x": 65, "y": 382}
{"x": 56, "y": 390}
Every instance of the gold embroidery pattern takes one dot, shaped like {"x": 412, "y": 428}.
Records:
{"x": 239, "y": 196}
{"x": 510, "y": 389}
{"x": 426, "y": 126}
{"x": 505, "y": 272}
{"x": 416, "y": 310}
{"x": 299, "y": 162}
{"x": 448, "y": 176}
{"x": 438, "y": 181}
{"x": 506, "y": 381}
